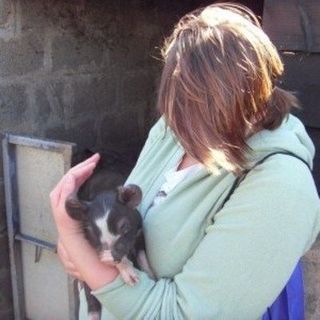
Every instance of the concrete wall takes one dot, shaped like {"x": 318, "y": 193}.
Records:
{"x": 80, "y": 71}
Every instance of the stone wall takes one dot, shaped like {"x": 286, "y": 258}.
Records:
{"x": 80, "y": 71}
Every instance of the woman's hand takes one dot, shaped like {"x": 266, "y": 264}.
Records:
{"x": 77, "y": 256}
{"x": 81, "y": 261}
{"x": 69, "y": 185}
{"x": 70, "y": 267}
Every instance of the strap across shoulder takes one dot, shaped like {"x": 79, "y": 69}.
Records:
{"x": 241, "y": 177}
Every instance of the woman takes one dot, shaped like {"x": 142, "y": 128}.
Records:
{"x": 218, "y": 252}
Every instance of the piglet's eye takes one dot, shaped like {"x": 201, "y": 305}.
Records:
{"x": 124, "y": 226}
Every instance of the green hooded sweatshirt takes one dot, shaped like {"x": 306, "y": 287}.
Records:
{"x": 227, "y": 264}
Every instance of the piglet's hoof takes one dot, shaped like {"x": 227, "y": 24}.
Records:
{"x": 128, "y": 275}
{"x": 94, "y": 315}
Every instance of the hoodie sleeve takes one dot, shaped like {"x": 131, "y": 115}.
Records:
{"x": 245, "y": 258}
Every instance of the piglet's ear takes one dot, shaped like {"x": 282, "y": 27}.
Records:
{"x": 130, "y": 195}
{"x": 77, "y": 209}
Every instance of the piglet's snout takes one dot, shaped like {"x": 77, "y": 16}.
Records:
{"x": 105, "y": 246}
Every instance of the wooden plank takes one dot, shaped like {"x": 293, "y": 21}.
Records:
{"x": 293, "y": 25}
{"x": 302, "y": 75}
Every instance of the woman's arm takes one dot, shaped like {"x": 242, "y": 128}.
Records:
{"x": 245, "y": 258}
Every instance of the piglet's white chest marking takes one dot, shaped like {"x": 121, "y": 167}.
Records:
{"x": 106, "y": 237}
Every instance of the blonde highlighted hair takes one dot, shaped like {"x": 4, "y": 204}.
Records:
{"x": 218, "y": 84}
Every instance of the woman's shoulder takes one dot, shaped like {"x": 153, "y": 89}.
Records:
{"x": 284, "y": 173}
{"x": 279, "y": 194}
{"x": 288, "y": 152}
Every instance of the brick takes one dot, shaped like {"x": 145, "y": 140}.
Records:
{"x": 131, "y": 53}
{"x": 13, "y": 104}
{"x": 5, "y": 11}
{"x": 137, "y": 87}
{"x": 120, "y": 133}
{"x": 43, "y": 109}
{"x": 97, "y": 93}
{"x": 69, "y": 111}
{"x": 71, "y": 52}
{"x": 49, "y": 105}
{"x": 83, "y": 133}
{"x": 21, "y": 55}
{"x": 38, "y": 15}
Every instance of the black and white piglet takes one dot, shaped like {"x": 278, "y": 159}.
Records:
{"x": 113, "y": 227}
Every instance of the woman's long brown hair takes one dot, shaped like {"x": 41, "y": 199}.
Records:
{"x": 218, "y": 84}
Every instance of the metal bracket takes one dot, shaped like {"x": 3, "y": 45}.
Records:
{"x": 39, "y": 245}
{"x": 36, "y": 242}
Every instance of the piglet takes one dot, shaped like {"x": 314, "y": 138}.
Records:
{"x": 113, "y": 226}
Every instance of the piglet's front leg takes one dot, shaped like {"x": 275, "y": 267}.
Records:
{"x": 124, "y": 266}
{"x": 127, "y": 271}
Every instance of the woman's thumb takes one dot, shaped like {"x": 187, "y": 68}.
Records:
{"x": 68, "y": 187}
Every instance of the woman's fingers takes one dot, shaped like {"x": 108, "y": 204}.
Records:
{"x": 83, "y": 173}
{"x": 83, "y": 170}
{"x": 77, "y": 275}
{"x": 93, "y": 159}
{"x": 68, "y": 187}
{"x": 85, "y": 166}
{"x": 80, "y": 172}
{"x": 62, "y": 190}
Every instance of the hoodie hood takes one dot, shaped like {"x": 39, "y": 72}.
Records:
{"x": 291, "y": 136}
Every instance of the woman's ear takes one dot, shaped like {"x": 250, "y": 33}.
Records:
{"x": 130, "y": 195}
{"x": 77, "y": 209}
